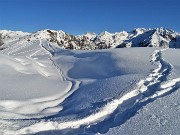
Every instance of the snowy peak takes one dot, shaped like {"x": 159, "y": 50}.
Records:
{"x": 47, "y": 34}
{"x": 138, "y": 31}
{"x": 158, "y": 37}
{"x": 139, "y": 37}
{"x": 8, "y": 33}
{"x": 89, "y": 35}
{"x": 9, "y": 36}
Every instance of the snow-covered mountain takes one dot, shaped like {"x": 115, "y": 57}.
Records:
{"x": 10, "y": 36}
{"x": 140, "y": 37}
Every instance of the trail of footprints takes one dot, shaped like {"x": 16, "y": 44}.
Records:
{"x": 154, "y": 86}
{"x": 158, "y": 84}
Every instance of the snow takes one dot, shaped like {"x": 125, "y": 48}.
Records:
{"x": 19, "y": 92}
{"x": 162, "y": 115}
{"x": 49, "y": 90}
{"x": 139, "y": 37}
{"x": 10, "y": 36}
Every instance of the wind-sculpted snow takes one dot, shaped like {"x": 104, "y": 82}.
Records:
{"x": 30, "y": 84}
{"x": 120, "y": 109}
{"x": 46, "y": 89}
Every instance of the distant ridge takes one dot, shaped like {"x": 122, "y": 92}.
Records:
{"x": 139, "y": 37}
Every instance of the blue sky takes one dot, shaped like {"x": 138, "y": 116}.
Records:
{"x": 80, "y": 16}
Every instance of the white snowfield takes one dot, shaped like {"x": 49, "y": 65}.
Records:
{"x": 49, "y": 90}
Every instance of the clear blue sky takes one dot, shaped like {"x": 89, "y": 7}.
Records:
{"x": 80, "y": 16}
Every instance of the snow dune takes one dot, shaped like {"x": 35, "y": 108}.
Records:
{"x": 30, "y": 84}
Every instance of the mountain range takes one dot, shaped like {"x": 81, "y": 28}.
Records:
{"x": 139, "y": 37}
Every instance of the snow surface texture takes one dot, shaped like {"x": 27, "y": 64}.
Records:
{"x": 49, "y": 90}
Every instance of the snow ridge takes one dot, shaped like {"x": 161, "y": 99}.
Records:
{"x": 74, "y": 83}
{"x": 156, "y": 85}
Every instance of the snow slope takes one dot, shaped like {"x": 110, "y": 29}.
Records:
{"x": 122, "y": 107}
{"x": 162, "y": 115}
{"x": 49, "y": 90}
